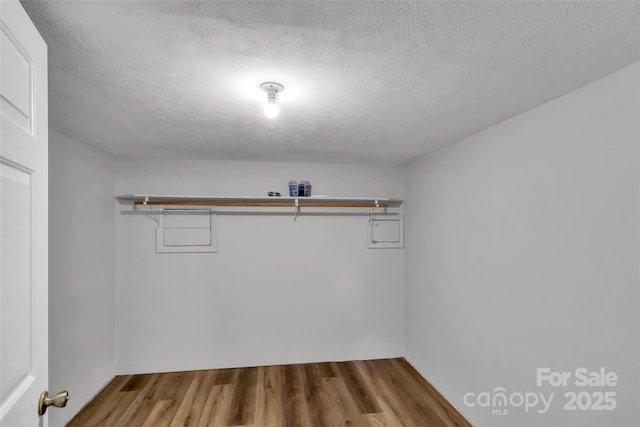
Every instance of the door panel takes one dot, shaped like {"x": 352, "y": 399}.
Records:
{"x": 16, "y": 80}
{"x": 16, "y": 301}
{"x": 23, "y": 218}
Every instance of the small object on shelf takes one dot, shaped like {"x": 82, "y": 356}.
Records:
{"x": 274, "y": 194}
{"x": 299, "y": 188}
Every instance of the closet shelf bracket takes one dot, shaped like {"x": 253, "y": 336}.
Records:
{"x": 296, "y": 210}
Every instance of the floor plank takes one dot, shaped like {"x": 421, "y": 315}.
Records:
{"x": 292, "y": 385}
{"x": 193, "y": 403}
{"x": 391, "y": 404}
{"x": 270, "y": 395}
{"x": 103, "y": 403}
{"x": 371, "y": 393}
{"x": 417, "y": 408}
{"x": 377, "y": 420}
{"x": 315, "y": 398}
{"x": 448, "y": 414}
{"x": 343, "y": 409}
{"x": 216, "y": 406}
{"x": 361, "y": 393}
{"x": 294, "y": 411}
{"x": 243, "y": 401}
{"x": 170, "y": 412}
{"x": 136, "y": 382}
{"x": 138, "y": 411}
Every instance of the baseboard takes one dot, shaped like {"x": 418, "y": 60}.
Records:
{"x": 466, "y": 416}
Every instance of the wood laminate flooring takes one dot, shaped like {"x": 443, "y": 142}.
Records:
{"x": 371, "y": 393}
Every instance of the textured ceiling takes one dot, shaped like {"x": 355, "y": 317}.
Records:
{"x": 364, "y": 81}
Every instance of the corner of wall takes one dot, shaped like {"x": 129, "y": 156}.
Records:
{"x": 82, "y": 271}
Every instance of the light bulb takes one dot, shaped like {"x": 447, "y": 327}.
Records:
{"x": 271, "y": 110}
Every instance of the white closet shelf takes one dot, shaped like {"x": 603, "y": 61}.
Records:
{"x": 334, "y": 202}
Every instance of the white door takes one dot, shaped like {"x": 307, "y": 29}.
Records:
{"x": 23, "y": 218}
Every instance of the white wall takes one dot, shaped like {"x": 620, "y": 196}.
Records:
{"x": 276, "y": 292}
{"x": 522, "y": 253}
{"x": 81, "y": 272}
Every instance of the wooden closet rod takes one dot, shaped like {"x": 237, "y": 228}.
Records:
{"x": 289, "y": 204}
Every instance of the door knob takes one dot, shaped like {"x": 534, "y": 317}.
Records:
{"x": 59, "y": 401}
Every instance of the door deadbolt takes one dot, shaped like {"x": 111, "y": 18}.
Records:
{"x": 59, "y": 401}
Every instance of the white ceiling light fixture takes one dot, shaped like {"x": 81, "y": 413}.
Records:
{"x": 271, "y": 108}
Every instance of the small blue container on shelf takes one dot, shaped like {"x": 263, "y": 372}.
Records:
{"x": 299, "y": 188}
